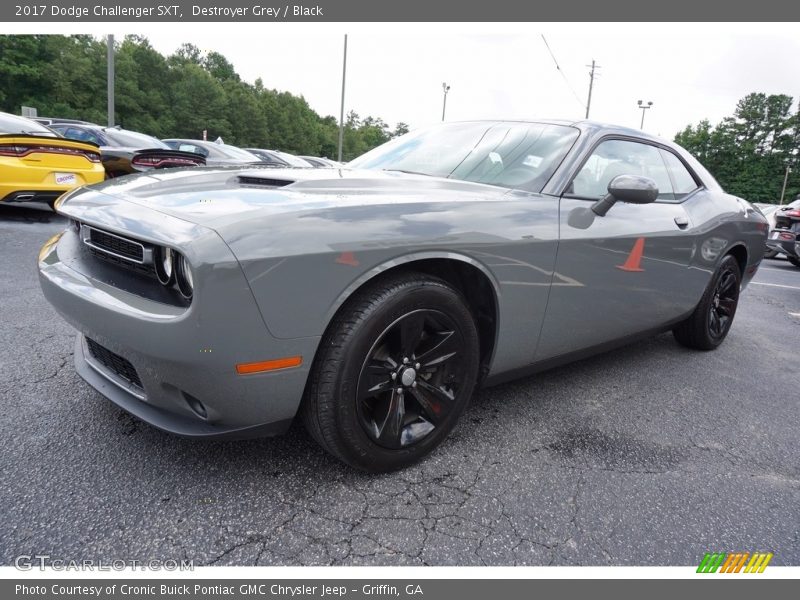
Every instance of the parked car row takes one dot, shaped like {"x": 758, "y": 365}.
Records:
{"x": 42, "y": 158}
{"x": 124, "y": 152}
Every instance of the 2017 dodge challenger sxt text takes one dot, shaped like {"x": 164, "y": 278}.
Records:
{"x": 372, "y": 299}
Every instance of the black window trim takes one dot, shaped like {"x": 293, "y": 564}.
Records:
{"x": 697, "y": 182}
{"x": 629, "y": 138}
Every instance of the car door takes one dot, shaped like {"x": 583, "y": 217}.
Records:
{"x": 619, "y": 274}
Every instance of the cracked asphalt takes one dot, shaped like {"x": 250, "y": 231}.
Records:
{"x": 649, "y": 455}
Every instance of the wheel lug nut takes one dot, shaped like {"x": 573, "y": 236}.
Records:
{"x": 413, "y": 384}
{"x": 394, "y": 375}
{"x": 405, "y": 361}
{"x": 416, "y": 366}
{"x": 399, "y": 390}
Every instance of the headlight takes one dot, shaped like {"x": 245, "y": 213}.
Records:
{"x": 184, "y": 276}
{"x": 164, "y": 265}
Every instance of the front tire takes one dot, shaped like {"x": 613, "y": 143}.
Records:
{"x": 794, "y": 261}
{"x": 710, "y": 322}
{"x": 393, "y": 374}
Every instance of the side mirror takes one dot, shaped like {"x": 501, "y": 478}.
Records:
{"x": 632, "y": 189}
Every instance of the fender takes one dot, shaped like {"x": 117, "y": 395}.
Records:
{"x": 405, "y": 259}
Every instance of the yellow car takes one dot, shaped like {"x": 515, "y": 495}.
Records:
{"x": 37, "y": 164}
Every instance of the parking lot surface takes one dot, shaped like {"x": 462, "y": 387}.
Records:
{"x": 648, "y": 455}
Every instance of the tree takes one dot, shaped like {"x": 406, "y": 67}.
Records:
{"x": 748, "y": 152}
{"x": 176, "y": 96}
{"x": 199, "y": 103}
{"x": 219, "y": 67}
{"x": 400, "y": 129}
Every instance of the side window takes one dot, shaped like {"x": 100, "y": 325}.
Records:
{"x": 684, "y": 183}
{"x": 75, "y": 134}
{"x": 81, "y": 135}
{"x": 621, "y": 157}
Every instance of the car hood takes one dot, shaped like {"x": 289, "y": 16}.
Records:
{"x": 215, "y": 197}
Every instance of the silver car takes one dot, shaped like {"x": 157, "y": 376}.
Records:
{"x": 371, "y": 300}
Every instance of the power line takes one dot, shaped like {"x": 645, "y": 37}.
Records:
{"x": 558, "y": 68}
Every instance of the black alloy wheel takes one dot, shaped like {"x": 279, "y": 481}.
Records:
{"x": 410, "y": 378}
{"x": 393, "y": 373}
{"x": 711, "y": 320}
{"x": 723, "y": 304}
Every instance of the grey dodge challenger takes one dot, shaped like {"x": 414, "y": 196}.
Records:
{"x": 371, "y": 300}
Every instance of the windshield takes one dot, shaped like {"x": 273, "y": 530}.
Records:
{"x": 294, "y": 161}
{"x": 237, "y": 153}
{"x": 132, "y": 139}
{"x": 513, "y": 155}
{"x": 14, "y": 124}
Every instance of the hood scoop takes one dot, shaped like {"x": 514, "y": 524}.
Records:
{"x": 263, "y": 181}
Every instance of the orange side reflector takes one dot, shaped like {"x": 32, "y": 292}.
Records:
{"x": 269, "y": 365}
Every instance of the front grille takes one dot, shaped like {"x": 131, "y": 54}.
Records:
{"x": 143, "y": 269}
{"x": 117, "y": 245}
{"x": 114, "y": 362}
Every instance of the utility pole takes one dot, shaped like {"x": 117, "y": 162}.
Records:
{"x": 591, "y": 84}
{"x": 785, "y": 179}
{"x": 341, "y": 110}
{"x": 110, "y": 77}
{"x": 445, "y": 89}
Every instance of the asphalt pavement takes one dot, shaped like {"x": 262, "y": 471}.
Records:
{"x": 648, "y": 455}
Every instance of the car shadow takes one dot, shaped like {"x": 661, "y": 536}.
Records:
{"x": 30, "y": 212}
{"x": 296, "y": 451}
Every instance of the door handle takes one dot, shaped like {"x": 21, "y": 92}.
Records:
{"x": 682, "y": 222}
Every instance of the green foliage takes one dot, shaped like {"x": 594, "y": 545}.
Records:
{"x": 176, "y": 96}
{"x": 748, "y": 152}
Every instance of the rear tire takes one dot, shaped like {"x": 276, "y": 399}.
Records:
{"x": 794, "y": 261}
{"x": 363, "y": 403}
{"x": 711, "y": 320}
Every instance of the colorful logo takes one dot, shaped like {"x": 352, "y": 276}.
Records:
{"x": 734, "y": 562}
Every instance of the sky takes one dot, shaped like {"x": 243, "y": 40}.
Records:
{"x": 395, "y": 71}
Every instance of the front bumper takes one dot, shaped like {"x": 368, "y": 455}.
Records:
{"x": 128, "y": 399}
{"x": 181, "y": 355}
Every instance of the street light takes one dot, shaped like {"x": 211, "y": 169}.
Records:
{"x": 445, "y": 89}
{"x": 644, "y": 107}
